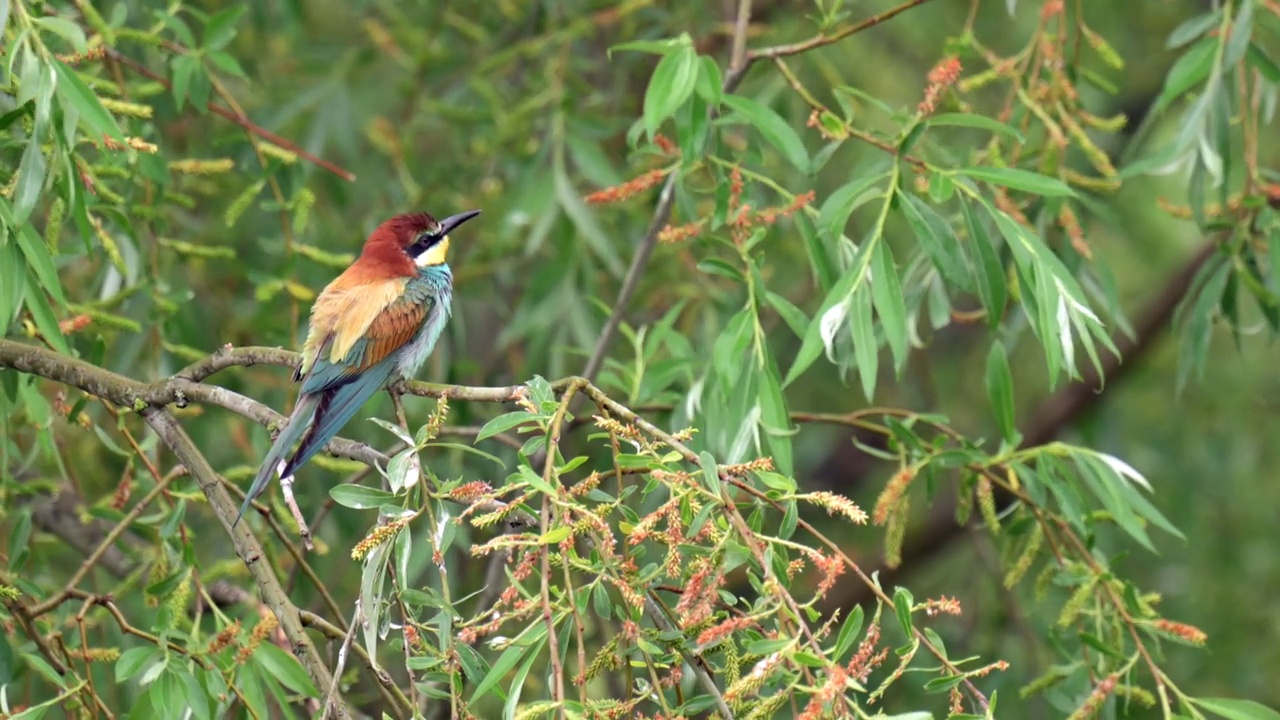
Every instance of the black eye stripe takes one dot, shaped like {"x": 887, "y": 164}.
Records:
{"x": 422, "y": 244}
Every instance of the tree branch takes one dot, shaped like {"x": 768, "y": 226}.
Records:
{"x": 247, "y": 547}
{"x": 821, "y": 40}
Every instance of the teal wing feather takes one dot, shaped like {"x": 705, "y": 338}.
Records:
{"x": 334, "y": 390}
{"x": 337, "y": 406}
{"x": 345, "y": 385}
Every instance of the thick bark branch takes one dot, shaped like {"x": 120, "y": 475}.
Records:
{"x": 247, "y": 547}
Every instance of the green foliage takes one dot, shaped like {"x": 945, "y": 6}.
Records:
{"x": 814, "y": 232}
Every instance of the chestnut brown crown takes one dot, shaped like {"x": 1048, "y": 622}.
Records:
{"x": 412, "y": 240}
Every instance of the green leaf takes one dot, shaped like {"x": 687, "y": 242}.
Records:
{"x": 19, "y": 539}
{"x": 503, "y": 423}
{"x": 866, "y": 350}
{"x": 886, "y": 289}
{"x": 1240, "y": 33}
{"x": 943, "y": 684}
{"x": 1262, "y": 62}
{"x": 133, "y": 660}
{"x": 1096, "y": 643}
{"x": 221, "y": 27}
{"x": 841, "y": 203}
{"x": 43, "y": 316}
{"x": 793, "y": 316}
{"x": 1233, "y": 709}
{"x": 184, "y": 68}
{"x": 360, "y": 497}
{"x": 555, "y": 535}
{"x": 13, "y": 280}
{"x": 981, "y": 122}
{"x": 37, "y": 256}
{"x": 768, "y": 647}
{"x": 776, "y": 131}
{"x": 68, "y": 30}
{"x": 1190, "y": 70}
{"x": 517, "y": 650}
{"x": 1193, "y": 28}
{"x": 653, "y": 47}
{"x": 938, "y": 240}
{"x": 673, "y": 81}
{"x": 777, "y": 481}
{"x": 42, "y": 666}
{"x": 829, "y": 317}
{"x": 710, "y": 84}
{"x": 227, "y": 63}
{"x": 710, "y": 472}
{"x": 1000, "y": 391}
{"x": 902, "y": 602}
{"x": 75, "y": 93}
{"x": 1019, "y": 179}
{"x": 285, "y": 667}
{"x": 31, "y": 174}
{"x": 848, "y": 633}
{"x": 774, "y": 415}
{"x": 988, "y": 269}
{"x": 517, "y": 687}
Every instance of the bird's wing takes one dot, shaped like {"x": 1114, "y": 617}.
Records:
{"x": 343, "y": 383}
{"x": 354, "y": 329}
{"x": 336, "y": 407}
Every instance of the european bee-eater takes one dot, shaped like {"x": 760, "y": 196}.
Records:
{"x": 370, "y": 327}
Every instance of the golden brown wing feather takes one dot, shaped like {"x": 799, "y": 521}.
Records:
{"x": 391, "y": 329}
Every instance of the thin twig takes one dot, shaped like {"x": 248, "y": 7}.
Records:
{"x": 92, "y": 559}
{"x": 821, "y": 40}
{"x": 356, "y": 619}
{"x": 304, "y": 532}
{"x": 384, "y": 680}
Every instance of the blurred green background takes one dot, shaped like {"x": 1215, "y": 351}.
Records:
{"x": 517, "y": 108}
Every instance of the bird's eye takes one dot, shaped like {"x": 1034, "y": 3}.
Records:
{"x": 424, "y": 240}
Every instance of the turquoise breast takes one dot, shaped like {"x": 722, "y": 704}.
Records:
{"x": 432, "y": 286}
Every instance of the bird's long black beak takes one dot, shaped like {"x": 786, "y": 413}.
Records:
{"x": 454, "y": 221}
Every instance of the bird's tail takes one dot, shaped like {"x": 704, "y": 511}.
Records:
{"x": 299, "y": 420}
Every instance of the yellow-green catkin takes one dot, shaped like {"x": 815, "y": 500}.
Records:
{"x": 139, "y": 36}
{"x": 1075, "y": 604}
{"x": 1042, "y": 683}
{"x": 1044, "y": 579}
{"x": 895, "y": 532}
{"x": 189, "y": 249}
{"x": 242, "y": 202}
{"x": 987, "y": 505}
{"x": 323, "y": 257}
{"x": 271, "y": 150}
{"x": 1028, "y": 555}
{"x": 199, "y": 166}
{"x": 109, "y": 245}
{"x": 302, "y": 204}
{"x": 129, "y": 109}
{"x": 1103, "y": 48}
{"x": 53, "y": 224}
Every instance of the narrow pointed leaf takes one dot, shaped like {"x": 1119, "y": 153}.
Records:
{"x": 777, "y": 131}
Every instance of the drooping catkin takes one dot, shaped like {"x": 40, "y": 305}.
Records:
{"x": 53, "y": 224}
{"x": 242, "y": 202}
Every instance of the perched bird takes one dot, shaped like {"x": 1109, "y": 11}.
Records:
{"x": 370, "y": 327}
